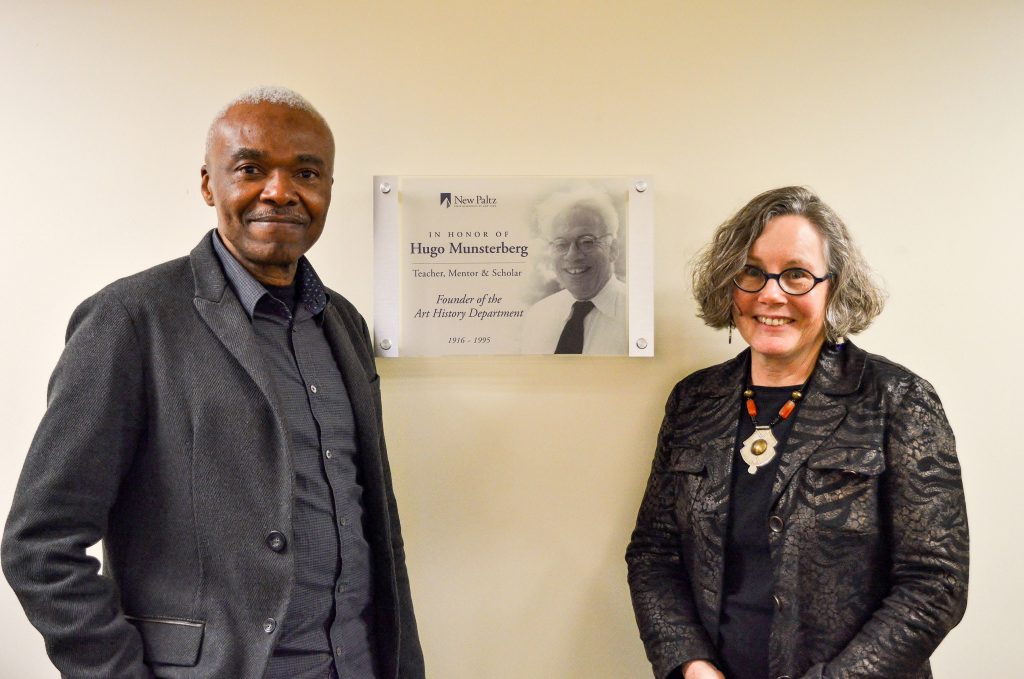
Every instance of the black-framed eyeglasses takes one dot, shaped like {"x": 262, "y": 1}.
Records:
{"x": 794, "y": 281}
{"x": 585, "y": 243}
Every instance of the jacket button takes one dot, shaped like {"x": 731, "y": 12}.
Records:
{"x": 778, "y": 601}
{"x": 269, "y": 625}
{"x": 776, "y": 523}
{"x": 276, "y": 541}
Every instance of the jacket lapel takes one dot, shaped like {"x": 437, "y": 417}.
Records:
{"x": 836, "y": 374}
{"x": 817, "y": 418}
{"x": 716, "y": 406}
{"x": 223, "y": 313}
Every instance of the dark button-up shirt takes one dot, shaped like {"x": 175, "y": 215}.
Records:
{"x": 329, "y": 622}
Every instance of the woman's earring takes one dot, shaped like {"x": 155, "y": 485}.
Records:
{"x": 730, "y": 332}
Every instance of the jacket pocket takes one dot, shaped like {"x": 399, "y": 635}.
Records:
{"x": 683, "y": 472}
{"x": 844, "y": 486}
{"x": 169, "y": 641}
{"x": 866, "y": 461}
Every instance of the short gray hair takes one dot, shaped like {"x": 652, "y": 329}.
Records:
{"x": 267, "y": 94}
{"x": 581, "y": 196}
{"x": 855, "y": 296}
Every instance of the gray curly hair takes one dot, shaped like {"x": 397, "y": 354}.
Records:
{"x": 855, "y": 296}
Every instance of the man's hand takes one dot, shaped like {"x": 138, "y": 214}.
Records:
{"x": 701, "y": 669}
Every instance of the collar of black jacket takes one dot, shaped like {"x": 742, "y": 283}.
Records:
{"x": 206, "y": 271}
{"x": 838, "y": 371}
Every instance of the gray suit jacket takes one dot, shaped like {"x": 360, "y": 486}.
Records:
{"x": 162, "y": 437}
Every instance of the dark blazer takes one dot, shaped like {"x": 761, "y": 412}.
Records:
{"x": 162, "y": 436}
{"x": 868, "y": 528}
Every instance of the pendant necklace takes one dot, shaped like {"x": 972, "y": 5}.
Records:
{"x": 759, "y": 448}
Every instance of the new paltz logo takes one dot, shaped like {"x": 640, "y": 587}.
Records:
{"x": 455, "y": 200}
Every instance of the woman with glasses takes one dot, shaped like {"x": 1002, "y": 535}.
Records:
{"x": 804, "y": 515}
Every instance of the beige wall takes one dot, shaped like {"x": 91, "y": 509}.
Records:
{"x": 519, "y": 478}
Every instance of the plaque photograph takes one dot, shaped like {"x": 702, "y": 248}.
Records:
{"x": 513, "y": 265}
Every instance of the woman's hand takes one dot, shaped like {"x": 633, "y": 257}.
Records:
{"x": 701, "y": 669}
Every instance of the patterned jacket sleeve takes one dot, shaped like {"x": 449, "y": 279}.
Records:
{"x": 666, "y": 614}
{"x": 926, "y": 518}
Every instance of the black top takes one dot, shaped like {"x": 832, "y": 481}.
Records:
{"x": 747, "y": 604}
{"x": 285, "y": 294}
{"x": 329, "y": 622}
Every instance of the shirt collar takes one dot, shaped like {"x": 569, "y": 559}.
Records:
{"x": 605, "y": 300}
{"x": 250, "y": 291}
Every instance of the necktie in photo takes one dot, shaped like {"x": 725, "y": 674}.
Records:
{"x": 571, "y": 340}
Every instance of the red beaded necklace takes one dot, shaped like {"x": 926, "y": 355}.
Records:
{"x": 759, "y": 448}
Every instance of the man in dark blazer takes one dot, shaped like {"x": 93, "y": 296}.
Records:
{"x": 216, "y": 422}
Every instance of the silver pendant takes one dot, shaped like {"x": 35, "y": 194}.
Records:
{"x": 759, "y": 448}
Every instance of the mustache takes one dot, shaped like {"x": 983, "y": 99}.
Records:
{"x": 288, "y": 215}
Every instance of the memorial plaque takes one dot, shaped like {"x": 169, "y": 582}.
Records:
{"x": 513, "y": 265}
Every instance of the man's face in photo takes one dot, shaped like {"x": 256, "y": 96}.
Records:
{"x": 583, "y": 252}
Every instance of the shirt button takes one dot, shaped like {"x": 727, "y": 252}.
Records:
{"x": 276, "y": 541}
{"x": 269, "y": 625}
{"x": 312, "y": 388}
{"x": 778, "y": 601}
{"x": 327, "y": 454}
{"x": 337, "y": 650}
{"x": 344, "y": 522}
{"x": 776, "y": 524}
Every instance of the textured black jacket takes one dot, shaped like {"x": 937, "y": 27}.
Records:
{"x": 868, "y": 528}
{"x": 163, "y": 437}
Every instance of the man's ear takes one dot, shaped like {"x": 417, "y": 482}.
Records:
{"x": 204, "y": 186}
